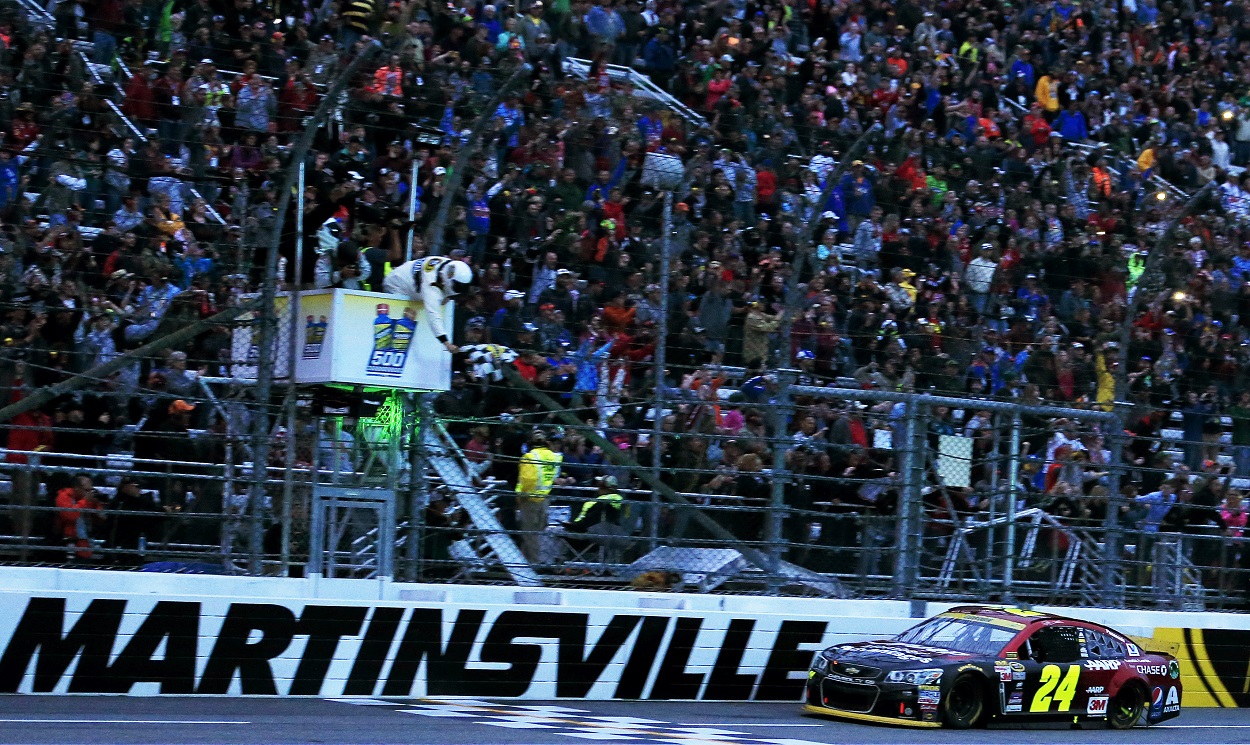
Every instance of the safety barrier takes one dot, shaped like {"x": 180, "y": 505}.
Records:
{"x": 77, "y": 631}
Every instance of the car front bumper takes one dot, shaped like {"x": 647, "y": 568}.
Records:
{"x": 871, "y": 701}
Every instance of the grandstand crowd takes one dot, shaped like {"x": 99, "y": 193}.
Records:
{"x": 958, "y": 197}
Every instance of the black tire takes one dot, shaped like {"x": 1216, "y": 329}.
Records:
{"x": 964, "y": 704}
{"x": 1126, "y": 707}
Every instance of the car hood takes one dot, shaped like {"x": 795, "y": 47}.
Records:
{"x": 894, "y": 654}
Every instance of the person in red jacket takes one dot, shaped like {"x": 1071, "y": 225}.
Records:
{"x": 140, "y": 103}
{"x": 614, "y": 210}
{"x": 1036, "y": 126}
{"x": 298, "y": 100}
{"x": 765, "y": 186}
{"x": 78, "y": 511}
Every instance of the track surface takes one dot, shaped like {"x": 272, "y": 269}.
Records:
{"x": 210, "y": 721}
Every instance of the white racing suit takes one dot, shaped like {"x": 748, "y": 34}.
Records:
{"x": 422, "y": 280}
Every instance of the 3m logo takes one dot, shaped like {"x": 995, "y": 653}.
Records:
{"x": 1097, "y": 706}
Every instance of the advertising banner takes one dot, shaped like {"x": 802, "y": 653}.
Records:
{"x": 215, "y": 646}
{"x": 353, "y": 337}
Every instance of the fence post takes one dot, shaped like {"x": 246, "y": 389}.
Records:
{"x": 660, "y": 359}
{"x": 911, "y": 479}
{"x": 780, "y": 473}
{"x": 419, "y": 489}
{"x": 292, "y": 391}
{"x": 1112, "y": 589}
{"x": 1013, "y": 496}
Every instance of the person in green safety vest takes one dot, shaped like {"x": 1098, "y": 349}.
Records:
{"x": 1136, "y": 265}
{"x": 606, "y": 507}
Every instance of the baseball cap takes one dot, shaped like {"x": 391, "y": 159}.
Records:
{"x": 439, "y": 171}
{"x": 513, "y": 295}
{"x": 180, "y": 406}
{"x": 608, "y": 482}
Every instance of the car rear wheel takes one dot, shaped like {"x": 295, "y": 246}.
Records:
{"x": 965, "y": 702}
{"x": 1126, "y": 707}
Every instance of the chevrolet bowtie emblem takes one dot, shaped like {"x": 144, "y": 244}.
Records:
{"x": 851, "y": 670}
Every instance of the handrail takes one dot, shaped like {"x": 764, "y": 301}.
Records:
{"x": 580, "y": 69}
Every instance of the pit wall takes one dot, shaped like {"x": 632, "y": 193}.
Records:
{"x": 98, "y": 632}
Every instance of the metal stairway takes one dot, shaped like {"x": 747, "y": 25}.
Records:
{"x": 1090, "y": 573}
{"x": 1177, "y": 581}
{"x": 491, "y": 545}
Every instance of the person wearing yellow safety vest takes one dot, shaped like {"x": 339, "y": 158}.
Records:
{"x": 539, "y": 473}
{"x": 606, "y": 507}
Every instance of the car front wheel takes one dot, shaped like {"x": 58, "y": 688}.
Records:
{"x": 965, "y": 702}
{"x": 1126, "y": 707}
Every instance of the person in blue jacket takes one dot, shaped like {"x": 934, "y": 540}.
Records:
{"x": 1071, "y": 124}
{"x": 1022, "y": 68}
{"x": 857, "y": 190}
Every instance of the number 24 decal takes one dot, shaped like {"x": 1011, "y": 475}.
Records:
{"x": 1057, "y": 687}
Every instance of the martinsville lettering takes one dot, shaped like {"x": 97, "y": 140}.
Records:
{"x": 394, "y": 643}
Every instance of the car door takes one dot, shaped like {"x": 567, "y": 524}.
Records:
{"x": 1052, "y": 658}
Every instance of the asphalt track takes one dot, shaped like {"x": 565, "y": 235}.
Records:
{"x": 212, "y": 721}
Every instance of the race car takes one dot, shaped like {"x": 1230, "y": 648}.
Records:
{"x": 977, "y": 664}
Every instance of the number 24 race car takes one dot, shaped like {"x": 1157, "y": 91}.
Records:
{"x": 973, "y": 665}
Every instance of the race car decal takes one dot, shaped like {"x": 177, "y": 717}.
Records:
{"x": 1095, "y": 689}
{"x": 1133, "y": 650}
{"x": 1015, "y": 703}
{"x": 1097, "y": 706}
{"x": 1151, "y": 669}
{"x": 1057, "y": 690}
{"x": 1156, "y": 701}
{"x": 1101, "y": 664}
{"x": 1172, "y": 704}
{"x": 1003, "y": 670}
{"x": 897, "y": 654}
{"x": 999, "y": 622}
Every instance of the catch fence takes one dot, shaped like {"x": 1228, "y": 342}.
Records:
{"x": 900, "y": 495}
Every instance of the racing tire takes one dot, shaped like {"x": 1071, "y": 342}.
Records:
{"x": 964, "y": 704}
{"x": 1126, "y": 707}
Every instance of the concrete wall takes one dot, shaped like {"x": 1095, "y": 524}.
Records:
{"x": 73, "y": 631}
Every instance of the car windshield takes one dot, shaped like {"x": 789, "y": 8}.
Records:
{"x": 960, "y": 635}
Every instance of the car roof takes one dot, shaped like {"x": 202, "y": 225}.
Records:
{"x": 1010, "y": 613}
